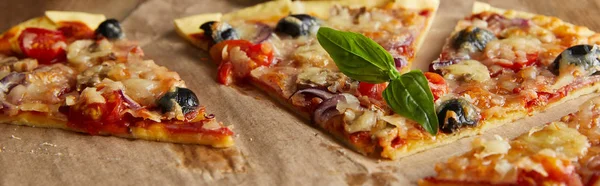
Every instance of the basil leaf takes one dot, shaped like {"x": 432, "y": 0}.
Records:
{"x": 411, "y": 97}
{"x": 357, "y": 56}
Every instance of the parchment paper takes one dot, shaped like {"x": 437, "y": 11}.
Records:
{"x": 273, "y": 145}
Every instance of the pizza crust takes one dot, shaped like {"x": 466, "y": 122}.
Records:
{"x": 91, "y": 20}
{"x": 191, "y": 25}
{"x": 479, "y": 7}
{"x": 322, "y": 9}
{"x": 273, "y": 10}
{"x": 418, "y": 146}
{"x": 34, "y": 119}
{"x": 153, "y": 133}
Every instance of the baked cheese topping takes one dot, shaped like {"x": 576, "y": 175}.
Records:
{"x": 296, "y": 62}
{"x": 514, "y": 60}
{"x": 546, "y": 153}
{"x": 565, "y": 152}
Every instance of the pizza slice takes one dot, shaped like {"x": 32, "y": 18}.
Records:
{"x": 506, "y": 64}
{"x": 76, "y": 71}
{"x": 560, "y": 153}
{"x": 274, "y": 46}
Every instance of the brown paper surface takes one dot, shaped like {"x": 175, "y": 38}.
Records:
{"x": 273, "y": 145}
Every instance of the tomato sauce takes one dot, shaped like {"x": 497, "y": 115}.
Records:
{"x": 75, "y": 31}
{"x": 108, "y": 118}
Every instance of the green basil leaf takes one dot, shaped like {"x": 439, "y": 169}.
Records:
{"x": 357, "y": 56}
{"x": 411, "y": 97}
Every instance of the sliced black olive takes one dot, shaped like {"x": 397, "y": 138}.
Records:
{"x": 184, "y": 97}
{"x": 455, "y": 114}
{"x": 296, "y": 25}
{"x": 472, "y": 39}
{"x": 219, "y": 31}
{"x": 111, "y": 29}
{"x": 584, "y": 56}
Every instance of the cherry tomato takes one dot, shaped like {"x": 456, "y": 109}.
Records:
{"x": 47, "y": 46}
{"x": 437, "y": 84}
{"x": 372, "y": 90}
{"x": 225, "y": 73}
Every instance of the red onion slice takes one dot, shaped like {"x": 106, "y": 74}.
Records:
{"x": 130, "y": 102}
{"x": 327, "y": 109}
{"x": 264, "y": 32}
{"x": 10, "y": 81}
{"x": 314, "y": 91}
{"x": 400, "y": 63}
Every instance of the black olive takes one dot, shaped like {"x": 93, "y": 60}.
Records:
{"x": 472, "y": 39}
{"x": 297, "y": 25}
{"x": 111, "y": 29}
{"x": 184, "y": 97}
{"x": 585, "y": 56}
{"x": 219, "y": 31}
{"x": 455, "y": 114}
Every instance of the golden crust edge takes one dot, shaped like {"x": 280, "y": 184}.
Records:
{"x": 490, "y": 124}
{"x": 186, "y": 26}
{"x": 40, "y": 120}
{"x": 428, "y": 24}
{"x": 479, "y": 7}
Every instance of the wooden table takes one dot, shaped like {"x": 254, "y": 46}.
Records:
{"x": 292, "y": 154}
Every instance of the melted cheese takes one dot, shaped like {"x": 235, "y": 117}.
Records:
{"x": 469, "y": 70}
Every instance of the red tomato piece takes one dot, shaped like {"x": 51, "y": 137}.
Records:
{"x": 47, "y": 46}
{"x": 437, "y": 84}
{"x": 97, "y": 118}
{"x": 225, "y": 73}
{"x": 372, "y": 90}
{"x": 531, "y": 59}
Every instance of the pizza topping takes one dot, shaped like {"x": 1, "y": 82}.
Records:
{"x": 47, "y": 84}
{"x": 360, "y": 121}
{"x": 454, "y": 114}
{"x": 297, "y": 25}
{"x": 91, "y": 95}
{"x": 25, "y": 65}
{"x": 491, "y": 147}
{"x": 472, "y": 39}
{"x": 219, "y": 31}
{"x": 75, "y": 30}
{"x": 11, "y": 80}
{"x": 47, "y": 46}
{"x": 92, "y": 76}
{"x": 327, "y": 109}
{"x": 254, "y": 32}
{"x": 86, "y": 53}
{"x": 130, "y": 102}
{"x": 467, "y": 70}
{"x": 314, "y": 91}
{"x": 371, "y": 90}
{"x": 111, "y": 29}
{"x": 182, "y": 97}
{"x": 322, "y": 77}
{"x": 437, "y": 84}
{"x": 584, "y": 58}
{"x": 97, "y": 118}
